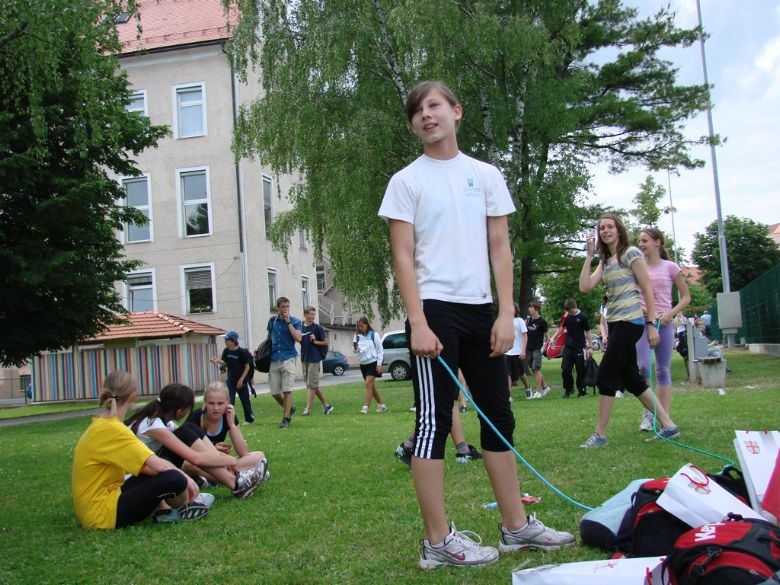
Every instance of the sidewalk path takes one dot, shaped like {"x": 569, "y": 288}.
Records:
{"x": 349, "y": 377}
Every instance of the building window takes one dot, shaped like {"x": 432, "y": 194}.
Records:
{"x": 305, "y": 291}
{"x": 140, "y": 291}
{"x": 138, "y": 196}
{"x": 302, "y": 238}
{"x": 190, "y": 110}
{"x": 195, "y": 201}
{"x": 320, "y": 278}
{"x": 272, "y": 289}
{"x": 199, "y": 290}
{"x": 268, "y": 216}
{"x": 137, "y": 102}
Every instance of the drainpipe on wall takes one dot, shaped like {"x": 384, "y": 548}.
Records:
{"x": 239, "y": 201}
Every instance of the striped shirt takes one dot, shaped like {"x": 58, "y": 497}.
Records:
{"x": 622, "y": 288}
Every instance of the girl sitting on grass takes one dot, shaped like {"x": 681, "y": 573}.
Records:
{"x": 107, "y": 452}
{"x": 186, "y": 446}
{"x": 218, "y": 420}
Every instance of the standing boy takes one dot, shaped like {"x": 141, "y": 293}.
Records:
{"x": 577, "y": 339}
{"x": 236, "y": 360}
{"x": 284, "y": 331}
{"x": 312, "y": 339}
{"x": 538, "y": 333}
{"x": 447, "y": 217}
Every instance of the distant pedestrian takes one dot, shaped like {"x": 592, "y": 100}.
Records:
{"x": 284, "y": 331}
{"x": 237, "y": 361}
{"x": 515, "y": 357}
{"x": 368, "y": 348}
{"x": 578, "y": 343}
{"x": 313, "y": 339}
{"x": 538, "y": 333}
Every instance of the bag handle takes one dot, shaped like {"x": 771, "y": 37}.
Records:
{"x": 693, "y": 481}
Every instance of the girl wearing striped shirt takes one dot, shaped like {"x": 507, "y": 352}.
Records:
{"x": 623, "y": 270}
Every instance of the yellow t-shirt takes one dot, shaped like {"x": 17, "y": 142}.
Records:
{"x": 105, "y": 453}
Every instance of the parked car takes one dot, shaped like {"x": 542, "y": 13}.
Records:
{"x": 335, "y": 363}
{"x": 396, "y": 359}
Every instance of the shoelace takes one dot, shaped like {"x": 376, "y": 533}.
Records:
{"x": 462, "y": 537}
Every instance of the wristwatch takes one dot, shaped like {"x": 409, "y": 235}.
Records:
{"x": 652, "y": 323}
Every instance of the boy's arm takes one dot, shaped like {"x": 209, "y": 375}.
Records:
{"x": 423, "y": 341}
{"x": 502, "y": 336}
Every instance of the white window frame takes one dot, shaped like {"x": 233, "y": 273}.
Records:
{"x": 267, "y": 221}
{"x": 302, "y": 239}
{"x": 126, "y": 296}
{"x": 275, "y": 295}
{"x": 185, "y": 300}
{"x": 182, "y": 223}
{"x": 305, "y": 291}
{"x": 176, "y": 113}
{"x": 142, "y": 93}
{"x": 148, "y": 207}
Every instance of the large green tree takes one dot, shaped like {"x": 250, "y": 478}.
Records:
{"x": 750, "y": 251}
{"x": 548, "y": 87}
{"x": 63, "y": 132}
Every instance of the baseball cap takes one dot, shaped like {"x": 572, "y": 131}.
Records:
{"x": 231, "y": 335}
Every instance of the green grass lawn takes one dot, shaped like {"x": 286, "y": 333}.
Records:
{"x": 36, "y": 409}
{"x": 339, "y": 508}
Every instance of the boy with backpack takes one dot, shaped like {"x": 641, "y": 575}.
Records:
{"x": 238, "y": 362}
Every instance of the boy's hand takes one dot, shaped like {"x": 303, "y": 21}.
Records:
{"x": 425, "y": 343}
{"x": 502, "y": 336}
{"x": 223, "y": 447}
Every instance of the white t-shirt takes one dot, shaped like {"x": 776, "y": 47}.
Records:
{"x": 520, "y": 328}
{"x": 151, "y": 424}
{"x": 448, "y": 202}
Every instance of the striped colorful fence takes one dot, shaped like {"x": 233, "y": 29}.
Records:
{"x": 78, "y": 375}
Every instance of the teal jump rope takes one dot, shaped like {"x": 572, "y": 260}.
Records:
{"x": 539, "y": 475}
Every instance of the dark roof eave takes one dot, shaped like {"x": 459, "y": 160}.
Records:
{"x": 140, "y": 52}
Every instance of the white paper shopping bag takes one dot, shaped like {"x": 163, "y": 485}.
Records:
{"x": 757, "y": 453}
{"x": 696, "y": 499}
{"x": 610, "y": 572}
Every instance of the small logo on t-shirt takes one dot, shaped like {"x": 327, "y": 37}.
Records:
{"x": 471, "y": 189}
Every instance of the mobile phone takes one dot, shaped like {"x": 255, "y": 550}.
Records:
{"x": 596, "y": 237}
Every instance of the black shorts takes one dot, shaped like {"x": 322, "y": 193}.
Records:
{"x": 369, "y": 370}
{"x": 515, "y": 367}
{"x": 187, "y": 433}
{"x": 464, "y": 331}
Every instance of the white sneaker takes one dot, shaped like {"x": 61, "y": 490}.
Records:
{"x": 618, "y": 394}
{"x": 205, "y": 498}
{"x": 545, "y": 390}
{"x": 381, "y": 408}
{"x": 647, "y": 421}
{"x": 535, "y": 535}
{"x": 364, "y": 410}
{"x": 538, "y": 395}
{"x": 458, "y": 550}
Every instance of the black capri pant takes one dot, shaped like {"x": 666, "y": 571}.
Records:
{"x": 618, "y": 368}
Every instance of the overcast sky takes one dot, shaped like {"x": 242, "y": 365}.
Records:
{"x": 743, "y": 64}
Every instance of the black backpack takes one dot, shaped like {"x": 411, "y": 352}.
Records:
{"x": 648, "y": 530}
{"x": 734, "y": 552}
{"x": 251, "y": 361}
{"x": 322, "y": 348}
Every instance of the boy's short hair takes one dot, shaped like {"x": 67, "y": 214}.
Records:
{"x": 421, "y": 90}
{"x": 569, "y": 304}
{"x": 281, "y": 300}
{"x": 309, "y": 308}
{"x": 536, "y": 305}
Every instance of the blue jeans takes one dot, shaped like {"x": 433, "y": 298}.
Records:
{"x": 243, "y": 394}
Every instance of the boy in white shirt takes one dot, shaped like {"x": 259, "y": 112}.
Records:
{"x": 447, "y": 216}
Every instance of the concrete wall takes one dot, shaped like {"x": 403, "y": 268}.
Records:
{"x": 765, "y": 348}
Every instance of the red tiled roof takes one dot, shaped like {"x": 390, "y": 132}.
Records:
{"x": 151, "y": 325}
{"x": 172, "y": 23}
{"x": 692, "y": 274}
